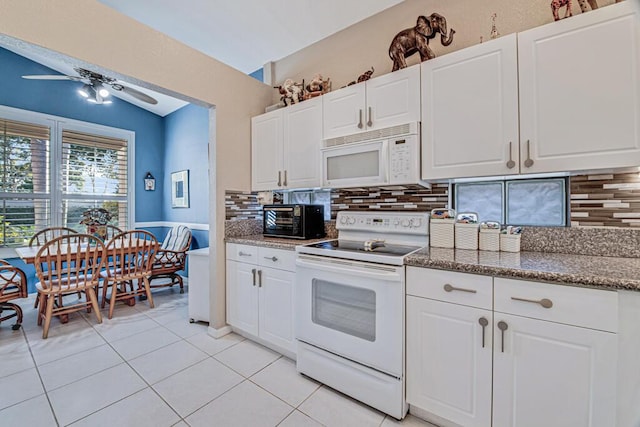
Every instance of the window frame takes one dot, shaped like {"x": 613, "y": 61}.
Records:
{"x": 56, "y": 125}
{"x": 504, "y": 181}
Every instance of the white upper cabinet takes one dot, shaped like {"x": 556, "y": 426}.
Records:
{"x": 575, "y": 83}
{"x": 470, "y": 111}
{"x": 580, "y": 92}
{"x": 302, "y": 142}
{"x": 286, "y": 147}
{"x": 266, "y": 151}
{"x": 390, "y": 100}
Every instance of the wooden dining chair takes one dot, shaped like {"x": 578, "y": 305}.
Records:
{"x": 45, "y": 235}
{"x": 112, "y": 231}
{"x": 13, "y": 285}
{"x": 67, "y": 265}
{"x": 129, "y": 255}
{"x": 50, "y": 233}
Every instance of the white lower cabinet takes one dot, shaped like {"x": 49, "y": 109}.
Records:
{"x": 260, "y": 294}
{"x": 549, "y": 359}
{"x": 448, "y": 364}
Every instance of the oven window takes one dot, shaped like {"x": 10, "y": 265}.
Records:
{"x": 357, "y": 165}
{"x": 344, "y": 308}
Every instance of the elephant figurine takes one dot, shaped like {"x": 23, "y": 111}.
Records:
{"x": 416, "y": 39}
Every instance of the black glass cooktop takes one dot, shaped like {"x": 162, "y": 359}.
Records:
{"x": 375, "y": 247}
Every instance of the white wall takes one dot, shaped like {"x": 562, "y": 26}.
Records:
{"x": 96, "y": 34}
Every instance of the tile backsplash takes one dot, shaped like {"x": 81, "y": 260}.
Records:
{"x": 599, "y": 200}
{"x": 606, "y": 200}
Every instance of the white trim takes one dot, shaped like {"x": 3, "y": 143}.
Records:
{"x": 193, "y": 226}
{"x": 219, "y": 332}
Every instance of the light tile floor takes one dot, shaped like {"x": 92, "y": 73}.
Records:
{"x": 151, "y": 367}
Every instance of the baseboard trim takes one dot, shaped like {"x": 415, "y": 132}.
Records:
{"x": 219, "y": 332}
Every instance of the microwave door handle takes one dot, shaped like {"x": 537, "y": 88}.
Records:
{"x": 384, "y": 150}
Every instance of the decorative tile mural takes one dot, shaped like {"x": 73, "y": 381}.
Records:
{"x": 611, "y": 200}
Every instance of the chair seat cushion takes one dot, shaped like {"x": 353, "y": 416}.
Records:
{"x": 66, "y": 283}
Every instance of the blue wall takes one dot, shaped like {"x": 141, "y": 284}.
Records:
{"x": 163, "y": 145}
{"x": 186, "y": 147}
{"x": 258, "y": 74}
{"x": 60, "y": 98}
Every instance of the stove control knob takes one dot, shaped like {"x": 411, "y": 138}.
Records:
{"x": 417, "y": 222}
{"x": 396, "y": 222}
{"x": 406, "y": 223}
{"x": 351, "y": 220}
{"x": 343, "y": 219}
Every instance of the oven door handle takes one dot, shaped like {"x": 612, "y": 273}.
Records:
{"x": 334, "y": 265}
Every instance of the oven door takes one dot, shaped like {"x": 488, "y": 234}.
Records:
{"x": 353, "y": 309}
{"x": 355, "y": 165}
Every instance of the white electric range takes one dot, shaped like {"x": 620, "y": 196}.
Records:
{"x": 350, "y": 295}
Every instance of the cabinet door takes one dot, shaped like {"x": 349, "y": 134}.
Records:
{"x": 580, "y": 92}
{"x": 448, "y": 369}
{"x": 276, "y": 307}
{"x": 266, "y": 151}
{"x": 302, "y": 142}
{"x": 551, "y": 374}
{"x": 343, "y": 111}
{"x": 470, "y": 112}
{"x": 393, "y": 99}
{"x": 242, "y": 297}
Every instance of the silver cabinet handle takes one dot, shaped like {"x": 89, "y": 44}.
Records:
{"x": 253, "y": 273}
{"x": 545, "y": 302}
{"x": 502, "y": 325}
{"x": 259, "y": 278}
{"x": 243, "y": 254}
{"x": 370, "y": 122}
{"x": 279, "y": 179}
{"x": 483, "y": 322}
{"x": 449, "y": 288}
{"x": 272, "y": 258}
{"x": 510, "y": 164}
{"x": 529, "y": 162}
{"x": 360, "y": 119}
{"x": 285, "y": 179}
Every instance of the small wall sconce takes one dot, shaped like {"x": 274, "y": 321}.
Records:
{"x": 149, "y": 182}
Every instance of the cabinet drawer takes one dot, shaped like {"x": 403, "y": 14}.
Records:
{"x": 242, "y": 253}
{"x": 277, "y": 258}
{"x": 459, "y": 288}
{"x": 589, "y": 308}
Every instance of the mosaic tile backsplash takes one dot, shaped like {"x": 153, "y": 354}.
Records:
{"x": 597, "y": 200}
{"x": 609, "y": 200}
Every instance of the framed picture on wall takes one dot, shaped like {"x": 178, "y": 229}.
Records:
{"x": 180, "y": 189}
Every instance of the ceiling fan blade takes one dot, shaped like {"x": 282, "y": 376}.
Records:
{"x": 51, "y": 77}
{"x": 138, "y": 95}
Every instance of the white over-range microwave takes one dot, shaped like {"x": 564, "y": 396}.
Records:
{"x": 382, "y": 157}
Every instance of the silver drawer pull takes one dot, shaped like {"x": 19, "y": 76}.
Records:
{"x": 243, "y": 254}
{"x": 449, "y": 288}
{"x": 272, "y": 258}
{"x": 253, "y": 273}
{"x": 483, "y": 322}
{"x": 545, "y": 302}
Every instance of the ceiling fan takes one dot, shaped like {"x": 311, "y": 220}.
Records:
{"x": 94, "y": 86}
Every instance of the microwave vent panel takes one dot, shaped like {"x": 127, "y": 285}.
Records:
{"x": 369, "y": 136}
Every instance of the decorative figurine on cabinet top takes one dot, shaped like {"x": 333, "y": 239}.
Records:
{"x": 291, "y": 92}
{"x": 416, "y": 40}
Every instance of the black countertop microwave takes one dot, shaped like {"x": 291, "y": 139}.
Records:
{"x": 293, "y": 221}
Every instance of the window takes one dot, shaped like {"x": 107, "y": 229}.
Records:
{"x": 53, "y": 169}
{"x": 541, "y": 202}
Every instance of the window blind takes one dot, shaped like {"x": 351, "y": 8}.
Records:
{"x": 24, "y": 180}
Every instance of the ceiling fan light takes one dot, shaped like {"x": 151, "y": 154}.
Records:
{"x": 100, "y": 89}
{"x": 86, "y": 91}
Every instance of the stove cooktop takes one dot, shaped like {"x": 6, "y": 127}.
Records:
{"x": 373, "y": 247}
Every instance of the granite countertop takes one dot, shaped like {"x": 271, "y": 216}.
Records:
{"x": 582, "y": 270}
{"x": 271, "y": 242}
